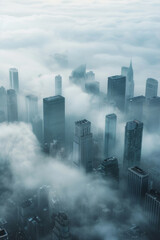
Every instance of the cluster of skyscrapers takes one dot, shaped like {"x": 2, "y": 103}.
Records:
{"x": 139, "y": 112}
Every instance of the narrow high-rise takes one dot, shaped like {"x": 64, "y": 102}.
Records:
{"x": 152, "y": 209}
{"x": 128, "y": 73}
{"x": 151, "y": 88}
{"x": 137, "y": 184}
{"x": 136, "y": 108}
{"x": 12, "y": 106}
{"x": 58, "y": 85}
{"x": 31, "y": 107}
{"x": 117, "y": 91}
{"x": 3, "y": 102}
{"x": 83, "y": 145}
{"x": 14, "y": 79}
{"x": 110, "y": 135}
{"x": 54, "y": 119}
{"x": 132, "y": 144}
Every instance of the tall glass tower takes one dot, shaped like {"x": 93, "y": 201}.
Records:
{"x": 132, "y": 144}
{"x": 12, "y": 105}
{"x": 83, "y": 145}
{"x": 14, "y": 79}
{"x": 54, "y": 119}
{"x": 110, "y": 135}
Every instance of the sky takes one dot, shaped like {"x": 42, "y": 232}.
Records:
{"x": 51, "y": 37}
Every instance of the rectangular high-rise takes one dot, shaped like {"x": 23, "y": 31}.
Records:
{"x": 117, "y": 91}
{"x": 83, "y": 145}
{"x": 14, "y": 79}
{"x": 54, "y": 119}
{"x": 58, "y": 85}
{"x": 132, "y": 144}
{"x": 152, "y": 209}
{"x": 3, "y": 103}
{"x": 136, "y": 108}
{"x": 137, "y": 184}
{"x": 128, "y": 73}
{"x": 12, "y": 106}
{"x": 31, "y": 107}
{"x": 110, "y": 135}
{"x": 151, "y": 88}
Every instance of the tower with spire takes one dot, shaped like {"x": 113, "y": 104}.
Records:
{"x": 128, "y": 73}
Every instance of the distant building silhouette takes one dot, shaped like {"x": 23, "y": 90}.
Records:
{"x": 128, "y": 73}
{"x": 152, "y": 114}
{"x": 117, "y": 91}
{"x": 14, "y": 79}
{"x": 12, "y": 105}
{"x": 83, "y": 145}
{"x": 137, "y": 184}
{"x": 54, "y": 119}
{"x": 132, "y": 144}
{"x": 58, "y": 85}
{"x": 78, "y": 76}
{"x": 110, "y": 135}
{"x": 151, "y": 88}
{"x": 90, "y": 76}
{"x": 92, "y": 87}
{"x": 3, "y": 103}
{"x": 31, "y": 107}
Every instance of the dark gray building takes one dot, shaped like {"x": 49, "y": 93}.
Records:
{"x": 109, "y": 168}
{"x": 83, "y": 145}
{"x": 152, "y": 114}
{"x": 132, "y": 144}
{"x": 78, "y": 76}
{"x": 152, "y": 209}
{"x": 117, "y": 91}
{"x": 110, "y": 135}
{"x": 128, "y": 73}
{"x": 14, "y": 79}
{"x": 151, "y": 88}
{"x": 58, "y": 85}
{"x": 12, "y": 107}
{"x": 137, "y": 184}
{"x": 31, "y": 107}
{"x": 54, "y": 119}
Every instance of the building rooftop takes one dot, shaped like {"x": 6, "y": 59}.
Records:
{"x": 32, "y": 97}
{"x": 116, "y": 77}
{"x": 155, "y": 194}
{"x": 138, "y": 171}
{"x": 133, "y": 124}
{"x": 53, "y": 98}
{"x": 152, "y": 81}
{"x": 137, "y": 98}
{"x": 81, "y": 122}
{"x": 112, "y": 115}
{"x": 13, "y": 70}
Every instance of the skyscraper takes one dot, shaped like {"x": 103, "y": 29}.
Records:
{"x": 151, "y": 88}
{"x": 83, "y": 145}
{"x": 128, "y": 73}
{"x": 92, "y": 87}
{"x": 137, "y": 183}
{"x": 110, "y": 135}
{"x": 54, "y": 119}
{"x": 3, "y": 102}
{"x": 152, "y": 209}
{"x": 14, "y": 79}
{"x": 136, "y": 108}
{"x": 12, "y": 105}
{"x": 152, "y": 114}
{"x": 109, "y": 168}
{"x": 132, "y": 144}
{"x": 58, "y": 85}
{"x": 31, "y": 107}
{"x": 117, "y": 91}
